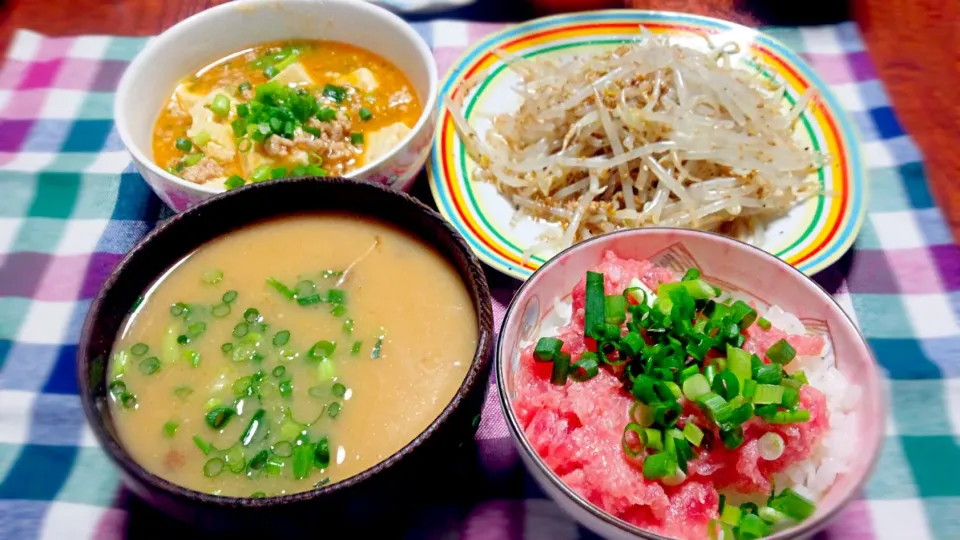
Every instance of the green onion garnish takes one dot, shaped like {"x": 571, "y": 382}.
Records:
{"x": 768, "y": 393}
{"x": 220, "y": 105}
{"x": 336, "y": 93}
{"x": 364, "y": 114}
{"x": 219, "y": 417}
{"x": 281, "y": 338}
{"x": 339, "y": 390}
{"x": 285, "y": 291}
{"x": 322, "y": 349}
{"x": 255, "y": 424}
{"x": 333, "y": 410}
{"x": 561, "y": 367}
{"x": 149, "y": 366}
{"x": 632, "y": 447}
{"x": 693, "y": 433}
{"x": 546, "y": 349}
{"x": 302, "y": 460}
{"x": 244, "y": 86}
{"x": 213, "y": 467}
{"x": 229, "y": 297}
{"x": 593, "y": 315}
{"x": 584, "y": 369}
{"x": 203, "y": 445}
{"x": 184, "y": 144}
{"x": 355, "y": 349}
{"x": 614, "y": 308}
{"x": 321, "y": 455}
{"x": 792, "y": 504}
{"x": 781, "y": 352}
{"x": 234, "y": 182}
{"x": 170, "y": 429}
{"x": 139, "y": 349}
{"x": 764, "y": 324}
{"x": 659, "y": 465}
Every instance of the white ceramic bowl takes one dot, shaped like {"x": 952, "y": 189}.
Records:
{"x": 734, "y": 266}
{"x": 217, "y": 32}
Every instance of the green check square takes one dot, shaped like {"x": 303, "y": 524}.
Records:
{"x": 919, "y": 407}
{"x": 39, "y": 234}
{"x": 790, "y": 37}
{"x": 73, "y": 162}
{"x": 19, "y": 190}
{"x": 932, "y": 460}
{"x": 56, "y": 194}
{"x": 891, "y": 477}
{"x": 97, "y": 106}
{"x": 886, "y": 191}
{"x": 943, "y": 516}
{"x": 93, "y": 479}
{"x": 13, "y": 311}
{"x": 881, "y": 315}
{"x": 867, "y": 238}
{"x": 8, "y": 456}
{"x": 123, "y": 48}
{"x": 98, "y": 196}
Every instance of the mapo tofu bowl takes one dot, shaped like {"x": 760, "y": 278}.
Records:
{"x": 288, "y": 354}
{"x": 258, "y": 90}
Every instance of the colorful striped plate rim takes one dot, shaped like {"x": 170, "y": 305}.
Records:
{"x": 811, "y": 237}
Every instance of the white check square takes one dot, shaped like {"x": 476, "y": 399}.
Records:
{"x": 71, "y": 520}
{"x": 46, "y": 322}
{"x": 62, "y": 104}
{"x": 30, "y": 161}
{"x": 899, "y": 519}
{"x": 90, "y": 47}
{"x": 81, "y": 236}
{"x": 25, "y": 45}
{"x": 449, "y": 34}
{"x": 821, "y": 39}
{"x": 931, "y": 315}
{"x": 15, "y": 415}
{"x": 897, "y": 230}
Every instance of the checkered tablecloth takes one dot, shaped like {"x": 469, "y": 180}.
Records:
{"x": 71, "y": 205}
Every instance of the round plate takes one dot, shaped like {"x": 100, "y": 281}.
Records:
{"x": 810, "y": 237}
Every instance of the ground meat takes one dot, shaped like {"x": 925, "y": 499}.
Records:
{"x": 277, "y": 146}
{"x": 334, "y": 140}
{"x": 206, "y": 169}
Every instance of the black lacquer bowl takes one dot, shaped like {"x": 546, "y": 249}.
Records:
{"x": 375, "y": 495}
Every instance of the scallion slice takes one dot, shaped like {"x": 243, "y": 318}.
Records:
{"x": 693, "y": 433}
{"x": 632, "y": 439}
{"x": 561, "y": 367}
{"x": 695, "y": 386}
{"x": 768, "y": 393}
{"x": 659, "y": 465}
{"x": 789, "y": 417}
{"x": 256, "y": 422}
{"x": 593, "y": 315}
{"x": 781, "y": 352}
{"x": 792, "y": 504}
{"x": 546, "y": 349}
{"x": 615, "y": 310}
{"x": 584, "y": 369}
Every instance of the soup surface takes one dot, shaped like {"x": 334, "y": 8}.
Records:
{"x": 284, "y": 109}
{"x": 289, "y": 354}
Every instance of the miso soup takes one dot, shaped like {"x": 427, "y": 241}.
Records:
{"x": 290, "y": 354}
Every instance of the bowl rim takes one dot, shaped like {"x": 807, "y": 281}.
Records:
{"x": 171, "y": 37}
{"x": 476, "y": 373}
{"x": 810, "y": 526}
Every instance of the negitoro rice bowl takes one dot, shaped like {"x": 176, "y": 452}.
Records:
{"x": 706, "y": 415}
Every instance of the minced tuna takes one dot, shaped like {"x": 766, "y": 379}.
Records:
{"x": 577, "y": 428}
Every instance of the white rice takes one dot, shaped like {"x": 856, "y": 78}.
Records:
{"x": 811, "y": 478}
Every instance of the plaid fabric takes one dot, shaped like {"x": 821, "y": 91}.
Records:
{"x": 71, "y": 205}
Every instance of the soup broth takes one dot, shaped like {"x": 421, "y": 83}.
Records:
{"x": 284, "y": 109}
{"x": 289, "y": 354}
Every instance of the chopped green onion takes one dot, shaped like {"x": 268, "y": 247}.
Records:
{"x": 792, "y": 504}
{"x": 667, "y": 414}
{"x": 218, "y": 417}
{"x": 752, "y": 527}
{"x": 791, "y": 398}
{"x": 336, "y": 93}
{"x": 196, "y": 329}
{"x": 743, "y": 314}
{"x": 615, "y": 308}
{"x": 178, "y": 309}
{"x": 801, "y": 377}
{"x": 170, "y": 428}
{"x": 643, "y": 389}
{"x": 630, "y": 447}
{"x": 229, "y": 297}
{"x": 377, "y": 346}
{"x": 184, "y": 144}
{"x": 695, "y": 386}
{"x": 364, "y": 114}
{"x": 658, "y": 466}
{"x": 326, "y": 369}
{"x": 749, "y": 388}
{"x": 355, "y": 349}
{"x": 768, "y": 393}
{"x": 781, "y": 352}
{"x": 691, "y": 275}
{"x": 764, "y": 324}
{"x": 281, "y": 338}
{"x": 321, "y": 456}
{"x": 697, "y": 288}
{"x": 322, "y": 349}
{"x": 203, "y": 445}
{"x": 546, "y": 349}
{"x": 336, "y": 296}
{"x": 356, "y": 139}
{"x": 183, "y": 339}
{"x": 339, "y": 390}
{"x": 653, "y": 439}
{"x": 149, "y": 366}
{"x": 334, "y": 410}
{"x": 738, "y": 362}
{"x": 182, "y": 392}
{"x": 234, "y": 182}
{"x": 725, "y": 385}
{"x": 302, "y": 460}
{"x": 270, "y": 72}
{"x": 730, "y": 515}
{"x": 326, "y": 114}
{"x": 220, "y": 105}
{"x": 593, "y": 316}
{"x": 285, "y": 291}
{"x": 771, "y": 516}
{"x": 213, "y": 467}
{"x": 261, "y": 173}
{"x": 642, "y": 414}
{"x": 561, "y": 367}
{"x": 769, "y": 374}
{"x": 789, "y": 417}
{"x": 732, "y": 438}
{"x": 693, "y": 433}
{"x": 251, "y": 431}
{"x": 584, "y": 369}
{"x": 285, "y": 388}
